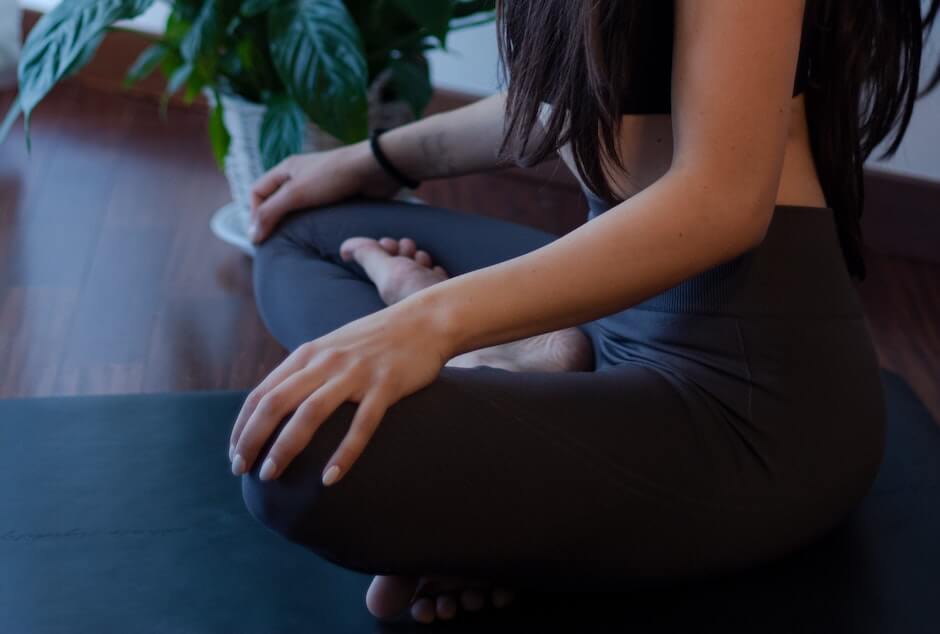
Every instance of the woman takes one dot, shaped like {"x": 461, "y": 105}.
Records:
{"x": 682, "y": 386}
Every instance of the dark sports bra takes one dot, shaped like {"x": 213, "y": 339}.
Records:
{"x": 650, "y": 69}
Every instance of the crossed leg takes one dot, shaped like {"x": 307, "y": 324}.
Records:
{"x": 397, "y": 269}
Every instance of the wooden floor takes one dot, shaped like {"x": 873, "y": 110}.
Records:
{"x": 110, "y": 280}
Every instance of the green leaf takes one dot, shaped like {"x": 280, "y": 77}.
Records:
{"x": 177, "y": 27}
{"x": 433, "y": 15}
{"x": 145, "y": 64}
{"x": 317, "y": 51}
{"x": 202, "y": 35}
{"x": 251, "y": 8}
{"x": 282, "y": 130}
{"x": 464, "y": 8}
{"x": 12, "y": 115}
{"x": 65, "y": 39}
{"x": 194, "y": 85}
{"x": 412, "y": 81}
{"x": 218, "y": 134}
{"x": 178, "y": 78}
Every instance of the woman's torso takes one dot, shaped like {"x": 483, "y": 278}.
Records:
{"x": 646, "y": 143}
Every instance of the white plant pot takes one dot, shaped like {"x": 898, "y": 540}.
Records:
{"x": 243, "y": 164}
{"x": 10, "y": 24}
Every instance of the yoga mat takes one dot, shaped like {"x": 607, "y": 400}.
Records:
{"x": 119, "y": 514}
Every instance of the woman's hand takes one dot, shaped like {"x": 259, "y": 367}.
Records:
{"x": 314, "y": 179}
{"x": 374, "y": 361}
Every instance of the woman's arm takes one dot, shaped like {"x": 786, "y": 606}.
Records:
{"x": 735, "y": 62}
{"x": 452, "y": 143}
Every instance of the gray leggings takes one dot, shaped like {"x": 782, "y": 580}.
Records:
{"x": 729, "y": 421}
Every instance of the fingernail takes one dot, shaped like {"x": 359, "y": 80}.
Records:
{"x": 253, "y": 231}
{"x": 238, "y": 465}
{"x": 331, "y": 475}
{"x": 268, "y": 469}
{"x": 231, "y": 452}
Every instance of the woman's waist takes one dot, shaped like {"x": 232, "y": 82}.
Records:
{"x": 798, "y": 269}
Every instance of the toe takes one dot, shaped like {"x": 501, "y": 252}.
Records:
{"x": 472, "y": 599}
{"x": 440, "y": 270}
{"x": 390, "y": 245}
{"x": 423, "y": 258}
{"x": 502, "y": 597}
{"x": 446, "y": 607}
{"x": 388, "y": 595}
{"x": 407, "y": 247}
{"x": 422, "y": 610}
{"x": 349, "y": 246}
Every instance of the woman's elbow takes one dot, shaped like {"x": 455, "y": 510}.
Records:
{"x": 744, "y": 221}
{"x": 754, "y": 223}
{"x": 741, "y": 208}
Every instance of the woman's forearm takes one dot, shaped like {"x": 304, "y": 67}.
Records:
{"x": 671, "y": 231}
{"x": 452, "y": 143}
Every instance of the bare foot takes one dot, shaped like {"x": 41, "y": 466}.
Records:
{"x": 396, "y": 267}
{"x": 567, "y": 350}
{"x": 432, "y": 597}
{"x": 399, "y": 269}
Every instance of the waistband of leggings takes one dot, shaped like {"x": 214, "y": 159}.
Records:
{"x": 797, "y": 270}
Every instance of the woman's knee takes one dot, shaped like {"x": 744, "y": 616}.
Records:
{"x": 298, "y": 514}
{"x": 301, "y": 509}
{"x": 315, "y": 230}
{"x": 296, "y": 232}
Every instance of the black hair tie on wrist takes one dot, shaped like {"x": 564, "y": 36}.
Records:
{"x": 387, "y": 164}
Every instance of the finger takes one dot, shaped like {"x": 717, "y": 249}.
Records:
{"x": 423, "y": 258}
{"x": 284, "y": 200}
{"x": 294, "y": 362}
{"x": 271, "y": 410}
{"x": 407, "y": 247}
{"x": 268, "y": 183}
{"x": 439, "y": 269}
{"x": 367, "y": 418}
{"x": 390, "y": 245}
{"x": 298, "y": 431}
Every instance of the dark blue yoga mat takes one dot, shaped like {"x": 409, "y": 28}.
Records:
{"x": 119, "y": 515}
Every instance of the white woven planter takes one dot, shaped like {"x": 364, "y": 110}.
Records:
{"x": 10, "y": 20}
{"x": 243, "y": 164}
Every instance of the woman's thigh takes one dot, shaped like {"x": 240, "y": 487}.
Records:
{"x": 304, "y": 289}
{"x": 607, "y": 479}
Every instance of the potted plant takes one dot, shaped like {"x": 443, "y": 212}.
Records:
{"x": 281, "y": 76}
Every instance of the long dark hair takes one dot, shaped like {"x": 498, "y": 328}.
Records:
{"x": 863, "y": 62}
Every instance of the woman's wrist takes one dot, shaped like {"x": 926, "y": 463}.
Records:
{"x": 434, "y": 314}
{"x": 372, "y": 178}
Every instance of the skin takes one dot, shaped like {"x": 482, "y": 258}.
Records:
{"x": 700, "y": 189}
